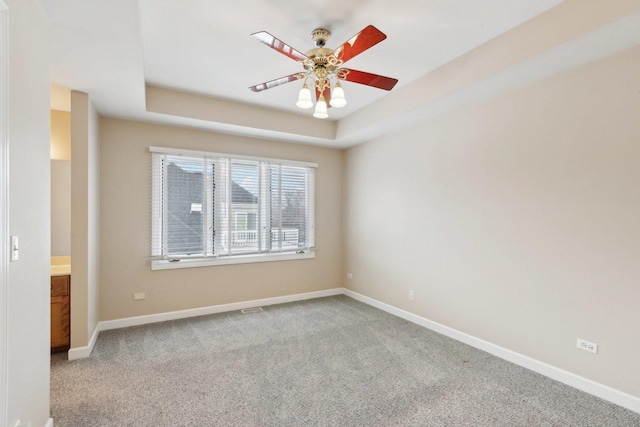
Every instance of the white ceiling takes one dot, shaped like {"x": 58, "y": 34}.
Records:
{"x": 205, "y": 47}
{"x": 111, "y": 49}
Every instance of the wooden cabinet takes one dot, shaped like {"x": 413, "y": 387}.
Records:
{"x": 60, "y": 313}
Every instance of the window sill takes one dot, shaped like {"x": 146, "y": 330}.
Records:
{"x": 238, "y": 259}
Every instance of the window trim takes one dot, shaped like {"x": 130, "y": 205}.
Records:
{"x": 181, "y": 152}
{"x": 186, "y": 262}
{"x": 163, "y": 264}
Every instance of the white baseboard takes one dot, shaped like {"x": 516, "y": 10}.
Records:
{"x": 202, "y": 311}
{"x": 600, "y": 390}
{"x": 49, "y": 423}
{"x": 82, "y": 352}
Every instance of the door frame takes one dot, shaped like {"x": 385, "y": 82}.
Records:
{"x": 4, "y": 206}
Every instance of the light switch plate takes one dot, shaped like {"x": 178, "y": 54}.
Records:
{"x": 15, "y": 248}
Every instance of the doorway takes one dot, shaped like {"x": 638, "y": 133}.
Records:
{"x": 4, "y": 208}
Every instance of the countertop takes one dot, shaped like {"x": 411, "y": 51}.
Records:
{"x": 60, "y": 265}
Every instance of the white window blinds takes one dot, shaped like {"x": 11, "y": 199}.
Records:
{"x": 208, "y": 206}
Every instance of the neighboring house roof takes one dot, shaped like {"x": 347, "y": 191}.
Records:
{"x": 239, "y": 194}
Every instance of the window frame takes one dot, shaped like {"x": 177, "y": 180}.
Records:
{"x": 212, "y": 260}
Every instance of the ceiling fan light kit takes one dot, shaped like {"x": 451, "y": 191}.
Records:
{"x": 337, "y": 96}
{"x": 322, "y": 66}
{"x": 321, "y": 108}
{"x": 304, "y": 97}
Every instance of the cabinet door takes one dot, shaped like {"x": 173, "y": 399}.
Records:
{"x": 59, "y": 321}
{"x": 60, "y": 285}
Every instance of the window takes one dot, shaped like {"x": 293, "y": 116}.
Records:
{"x": 210, "y": 208}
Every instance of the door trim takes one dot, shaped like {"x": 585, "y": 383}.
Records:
{"x": 4, "y": 206}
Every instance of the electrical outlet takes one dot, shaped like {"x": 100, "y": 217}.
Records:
{"x": 588, "y": 346}
{"x": 349, "y": 276}
{"x": 139, "y": 295}
{"x": 412, "y": 295}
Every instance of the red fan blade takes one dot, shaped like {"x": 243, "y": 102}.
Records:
{"x": 279, "y": 45}
{"x": 357, "y": 44}
{"x": 274, "y": 83}
{"x": 375, "y": 80}
{"x": 326, "y": 93}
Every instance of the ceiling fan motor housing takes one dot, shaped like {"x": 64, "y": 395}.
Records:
{"x": 320, "y": 36}
{"x": 319, "y": 57}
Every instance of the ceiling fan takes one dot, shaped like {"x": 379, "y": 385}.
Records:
{"x": 321, "y": 65}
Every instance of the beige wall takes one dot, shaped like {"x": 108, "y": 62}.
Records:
{"x": 93, "y": 231}
{"x": 60, "y": 208}
{"x": 126, "y": 227}
{"x": 28, "y": 286}
{"x": 514, "y": 220}
{"x": 60, "y": 135}
{"x": 85, "y": 219}
{"x": 60, "y": 183}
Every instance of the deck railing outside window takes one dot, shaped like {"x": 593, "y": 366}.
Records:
{"x": 242, "y": 238}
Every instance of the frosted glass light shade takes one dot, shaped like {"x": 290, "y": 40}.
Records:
{"x": 304, "y": 98}
{"x": 337, "y": 97}
{"x": 321, "y": 109}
